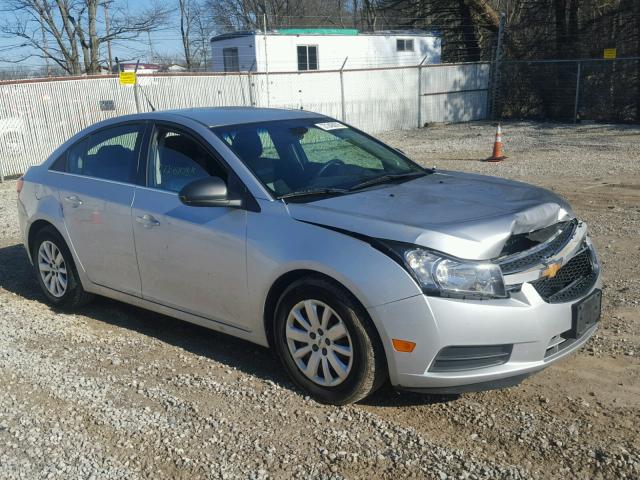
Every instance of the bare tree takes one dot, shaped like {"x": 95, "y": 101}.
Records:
{"x": 72, "y": 26}
{"x": 196, "y": 27}
{"x": 203, "y": 27}
{"x": 186, "y": 9}
{"x": 230, "y": 15}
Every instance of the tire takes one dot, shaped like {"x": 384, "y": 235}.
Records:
{"x": 355, "y": 376}
{"x": 67, "y": 293}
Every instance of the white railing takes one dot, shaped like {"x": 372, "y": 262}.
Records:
{"x": 38, "y": 115}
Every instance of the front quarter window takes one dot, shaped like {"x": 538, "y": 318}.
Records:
{"x": 303, "y": 155}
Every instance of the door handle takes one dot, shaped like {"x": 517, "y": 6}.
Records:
{"x": 73, "y": 200}
{"x": 147, "y": 221}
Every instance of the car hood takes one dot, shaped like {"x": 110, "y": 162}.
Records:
{"x": 461, "y": 214}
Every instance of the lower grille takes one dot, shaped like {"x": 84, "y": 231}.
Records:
{"x": 557, "y": 344}
{"x": 455, "y": 359}
{"x": 572, "y": 281}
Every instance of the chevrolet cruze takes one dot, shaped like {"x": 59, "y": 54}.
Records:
{"x": 296, "y": 231}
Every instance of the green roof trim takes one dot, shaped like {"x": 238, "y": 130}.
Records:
{"x": 318, "y": 31}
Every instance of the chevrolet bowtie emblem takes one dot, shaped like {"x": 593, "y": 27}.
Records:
{"x": 551, "y": 270}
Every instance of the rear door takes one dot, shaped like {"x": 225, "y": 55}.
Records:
{"x": 191, "y": 258}
{"x": 96, "y": 188}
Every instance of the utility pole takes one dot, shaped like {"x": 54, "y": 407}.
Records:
{"x": 105, "y": 6}
{"x": 495, "y": 87}
{"x": 204, "y": 52}
{"x": 45, "y": 45}
{"x": 150, "y": 46}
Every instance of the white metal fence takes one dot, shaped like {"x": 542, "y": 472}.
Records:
{"x": 37, "y": 116}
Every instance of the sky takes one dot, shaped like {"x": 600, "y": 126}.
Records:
{"x": 164, "y": 42}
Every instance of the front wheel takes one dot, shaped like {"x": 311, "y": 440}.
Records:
{"x": 327, "y": 343}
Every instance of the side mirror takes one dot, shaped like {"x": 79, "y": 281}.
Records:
{"x": 208, "y": 192}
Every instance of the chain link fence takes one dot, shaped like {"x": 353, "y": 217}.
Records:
{"x": 37, "y": 116}
{"x": 570, "y": 90}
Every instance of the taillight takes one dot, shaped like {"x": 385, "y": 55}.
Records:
{"x": 19, "y": 185}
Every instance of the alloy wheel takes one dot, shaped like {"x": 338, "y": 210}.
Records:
{"x": 319, "y": 343}
{"x": 52, "y": 268}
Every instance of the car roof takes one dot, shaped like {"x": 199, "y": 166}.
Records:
{"x": 220, "y": 116}
{"x": 208, "y": 116}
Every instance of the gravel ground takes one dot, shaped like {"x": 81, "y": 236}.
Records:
{"x": 117, "y": 392}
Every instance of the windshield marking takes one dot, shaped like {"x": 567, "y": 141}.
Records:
{"x": 330, "y": 126}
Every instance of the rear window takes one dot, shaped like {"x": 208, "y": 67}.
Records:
{"x": 110, "y": 154}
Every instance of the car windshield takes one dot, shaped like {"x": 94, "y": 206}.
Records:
{"x": 306, "y": 157}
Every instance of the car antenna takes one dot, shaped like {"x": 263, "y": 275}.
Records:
{"x": 153, "y": 109}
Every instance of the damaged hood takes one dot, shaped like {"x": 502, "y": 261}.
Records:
{"x": 464, "y": 215}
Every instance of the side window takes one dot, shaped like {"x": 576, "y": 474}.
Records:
{"x": 231, "y": 59}
{"x": 257, "y": 151}
{"x": 254, "y": 146}
{"x": 176, "y": 159}
{"x": 111, "y": 154}
{"x": 404, "y": 45}
{"x": 307, "y": 57}
{"x": 321, "y": 146}
{"x": 76, "y": 157}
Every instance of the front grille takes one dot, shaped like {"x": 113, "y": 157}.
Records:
{"x": 572, "y": 281}
{"x": 458, "y": 358}
{"x": 520, "y": 262}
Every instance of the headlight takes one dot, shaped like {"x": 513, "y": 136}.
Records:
{"x": 442, "y": 275}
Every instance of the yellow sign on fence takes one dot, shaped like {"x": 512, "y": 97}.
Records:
{"x": 610, "y": 53}
{"x": 127, "y": 78}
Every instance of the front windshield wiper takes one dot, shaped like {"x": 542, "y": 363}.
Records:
{"x": 314, "y": 191}
{"x": 385, "y": 179}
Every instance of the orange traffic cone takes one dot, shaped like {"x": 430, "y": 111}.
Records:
{"x": 497, "y": 156}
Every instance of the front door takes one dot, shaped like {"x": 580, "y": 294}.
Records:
{"x": 96, "y": 193}
{"x": 191, "y": 258}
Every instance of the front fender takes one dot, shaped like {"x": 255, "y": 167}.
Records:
{"x": 278, "y": 244}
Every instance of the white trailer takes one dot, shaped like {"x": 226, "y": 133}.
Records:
{"x": 290, "y": 50}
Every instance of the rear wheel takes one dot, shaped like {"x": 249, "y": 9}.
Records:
{"x": 56, "y": 272}
{"x": 327, "y": 343}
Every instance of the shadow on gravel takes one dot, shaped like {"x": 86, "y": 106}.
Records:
{"x": 16, "y": 276}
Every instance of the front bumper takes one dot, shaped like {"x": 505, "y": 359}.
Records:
{"x": 525, "y": 321}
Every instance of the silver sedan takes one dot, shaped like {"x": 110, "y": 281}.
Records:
{"x": 296, "y": 231}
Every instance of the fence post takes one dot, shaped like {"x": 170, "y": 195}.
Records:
{"x": 1, "y": 171}
{"x": 495, "y": 84}
{"x": 577, "y": 102}
{"x": 251, "y": 100}
{"x": 342, "y": 102}
{"x": 135, "y": 88}
{"x": 420, "y": 91}
{"x": 266, "y": 58}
